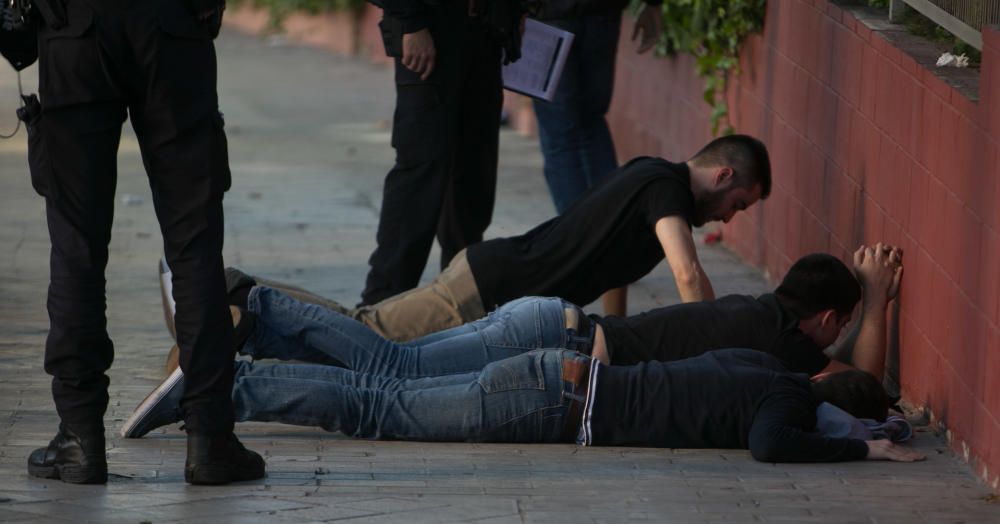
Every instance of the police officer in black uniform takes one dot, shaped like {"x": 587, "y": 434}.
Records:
{"x": 445, "y": 132}
{"x": 153, "y": 61}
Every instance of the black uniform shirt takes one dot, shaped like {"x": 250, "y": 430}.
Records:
{"x": 687, "y": 330}
{"x": 732, "y": 398}
{"x": 603, "y": 241}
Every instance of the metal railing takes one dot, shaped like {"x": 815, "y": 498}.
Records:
{"x": 962, "y": 18}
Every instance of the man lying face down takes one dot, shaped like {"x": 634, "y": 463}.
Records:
{"x": 487, "y": 382}
{"x": 730, "y": 398}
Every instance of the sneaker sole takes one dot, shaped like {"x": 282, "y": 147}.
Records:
{"x": 145, "y": 407}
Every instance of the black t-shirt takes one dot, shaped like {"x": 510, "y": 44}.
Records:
{"x": 735, "y": 321}
{"x": 603, "y": 241}
{"x": 731, "y": 398}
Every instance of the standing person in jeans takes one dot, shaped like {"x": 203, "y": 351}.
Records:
{"x": 152, "y": 61}
{"x": 446, "y": 135}
{"x": 574, "y": 136}
{"x": 615, "y": 235}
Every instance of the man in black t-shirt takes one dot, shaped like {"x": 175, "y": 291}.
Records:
{"x": 803, "y": 316}
{"x": 612, "y": 236}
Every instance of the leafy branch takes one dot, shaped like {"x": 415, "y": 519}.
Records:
{"x": 712, "y": 31}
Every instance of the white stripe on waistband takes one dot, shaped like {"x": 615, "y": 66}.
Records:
{"x": 586, "y": 437}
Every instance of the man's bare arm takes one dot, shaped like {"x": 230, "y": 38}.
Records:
{"x": 879, "y": 270}
{"x": 675, "y": 238}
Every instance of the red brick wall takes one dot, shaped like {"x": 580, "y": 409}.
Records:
{"x": 866, "y": 145}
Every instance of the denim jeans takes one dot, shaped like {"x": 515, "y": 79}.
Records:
{"x": 574, "y": 135}
{"x": 519, "y": 399}
{"x": 291, "y": 330}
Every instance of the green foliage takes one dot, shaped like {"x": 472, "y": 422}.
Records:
{"x": 279, "y": 9}
{"x": 712, "y": 31}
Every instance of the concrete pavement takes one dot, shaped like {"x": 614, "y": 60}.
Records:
{"x": 308, "y": 136}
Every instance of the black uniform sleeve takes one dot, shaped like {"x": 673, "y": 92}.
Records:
{"x": 412, "y": 14}
{"x": 799, "y": 353}
{"x": 782, "y": 432}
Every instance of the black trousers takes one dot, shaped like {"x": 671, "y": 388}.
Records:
{"x": 153, "y": 61}
{"x": 445, "y": 132}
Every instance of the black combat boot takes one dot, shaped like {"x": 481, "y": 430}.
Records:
{"x": 220, "y": 459}
{"x": 73, "y": 458}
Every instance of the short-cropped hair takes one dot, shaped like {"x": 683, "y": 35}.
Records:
{"x": 746, "y": 155}
{"x": 818, "y": 282}
{"x": 854, "y": 391}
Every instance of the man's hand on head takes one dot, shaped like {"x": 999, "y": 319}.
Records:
{"x": 419, "y": 52}
{"x": 887, "y": 450}
{"x": 879, "y": 269}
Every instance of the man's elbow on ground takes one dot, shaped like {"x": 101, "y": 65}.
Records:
{"x": 763, "y": 450}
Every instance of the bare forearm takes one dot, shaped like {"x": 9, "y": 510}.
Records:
{"x": 674, "y": 235}
{"x": 694, "y": 286}
{"x": 869, "y": 348}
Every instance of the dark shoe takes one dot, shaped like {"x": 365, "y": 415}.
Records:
{"x": 160, "y": 408}
{"x": 167, "y": 296}
{"x": 238, "y": 286}
{"x": 220, "y": 459}
{"x": 71, "y": 458}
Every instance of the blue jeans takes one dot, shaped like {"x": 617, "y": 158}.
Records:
{"x": 574, "y": 135}
{"x": 291, "y": 330}
{"x": 519, "y": 399}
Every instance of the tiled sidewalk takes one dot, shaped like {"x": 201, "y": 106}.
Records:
{"x": 308, "y": 137}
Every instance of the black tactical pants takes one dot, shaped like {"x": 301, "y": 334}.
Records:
{"x": 153, "y": 61}
{"x": 445, "y": 132}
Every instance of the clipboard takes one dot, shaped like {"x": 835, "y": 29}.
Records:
{"x": 544, "y": 49}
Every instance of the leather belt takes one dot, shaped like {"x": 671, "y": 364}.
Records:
{"x": 576, "y": 382}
